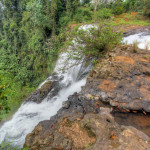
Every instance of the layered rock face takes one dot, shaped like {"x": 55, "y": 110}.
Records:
{"x": 121, "y": 80}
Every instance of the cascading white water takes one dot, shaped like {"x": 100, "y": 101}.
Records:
{"x": 142, "y": 39}
{"x": 30, "y": 113}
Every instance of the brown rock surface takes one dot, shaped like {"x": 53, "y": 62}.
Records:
{"x": 93, "y": 132}
{"x": 122, "y": 78}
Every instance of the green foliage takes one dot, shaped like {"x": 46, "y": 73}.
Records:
{"x": 30, "y": 39}
{"x": 142, "y": 6}
{"x": 147, "y": 8}
{"x": 85, "y": 2}
{"x": 82, "y": 15}
{"x": 37, "y": 15}
{"x": 96, "y": 40}
{"x": 64, "y": 20}
{"x": 7, "y": 146}
{"x": 4, "y": 108}
{"x": 133, "y": 5}
{"x": 118, "y": 7}
{"x": 104, "y": 13}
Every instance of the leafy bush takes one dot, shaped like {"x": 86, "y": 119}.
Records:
{"x": 133, "y": 5}
{"x": 95, "y": 40}
{"x": 3, "y": 100}
{"x": 118, "y": 7}
{"x": 104, "y": 13}
{"x": 63, "y": 21}
{"x": 147, "y": 8}
{"x": 82, "y": 15}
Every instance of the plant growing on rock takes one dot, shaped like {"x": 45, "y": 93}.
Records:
{"x": 96, "y": 40}
{"x": 135, "y": 46}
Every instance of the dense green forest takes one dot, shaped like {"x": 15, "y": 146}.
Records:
{"x": 32, "y": 32}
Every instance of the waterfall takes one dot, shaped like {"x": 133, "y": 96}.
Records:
{"x": 71, "y": 76}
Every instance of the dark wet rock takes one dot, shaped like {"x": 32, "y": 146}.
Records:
{"x": 49, "y": 89}
{"x": 41, "y": 93}
{"x": 56, "y": 87}
{"x": 145, "y": 30}
{"x": 84, "y": 70}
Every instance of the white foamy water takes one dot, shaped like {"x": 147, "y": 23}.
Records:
{"x": 142, "y": 38}
{"x": 30, "y": 113}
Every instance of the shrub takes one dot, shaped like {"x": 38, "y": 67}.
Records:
{"x": 3, "y": 100}
{"x": 135, "y": 46}
{"x": 118, "y": 7}
{"x": 104, "y": 13}
{"x": 82, "y": 15}
{"x": 64, "y": 20}
{"x": 147, "y": 8}
{"x": 95, "y": 40}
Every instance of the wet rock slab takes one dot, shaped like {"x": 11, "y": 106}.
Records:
{"x": 144, "y": 29}
{"x": 41, "y": 93}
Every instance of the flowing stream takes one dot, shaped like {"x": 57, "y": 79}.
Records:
{"x": 70, "y": 75}
{"x": 142, "y": 39}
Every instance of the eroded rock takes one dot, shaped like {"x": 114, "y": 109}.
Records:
{"x": 122, "y": 79}
{"x": 93, "y": 132}
{"x": 41, "y": 93}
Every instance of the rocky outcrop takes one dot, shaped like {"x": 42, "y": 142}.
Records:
{"x": 50, "y": 134}
{"x": 41, "y": 93}
{"x": 93, "y": 132}
{"x": 120, "y": 81}
{"x": 122, "y": 78}
{"x": 144, "y": 29}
